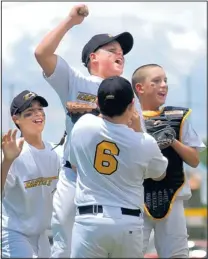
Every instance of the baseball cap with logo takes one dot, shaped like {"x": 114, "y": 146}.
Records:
{"x": 114, "y": 95}
{"x": 23, "y": 101}
{"x": 125, "y": 39}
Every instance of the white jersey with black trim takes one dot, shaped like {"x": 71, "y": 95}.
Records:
{"x": 112, "y": 161}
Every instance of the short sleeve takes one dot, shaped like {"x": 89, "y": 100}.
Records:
{"x": 10, "y": 180}
{"x": 72, "y": 158}
{"x": 157, "y": 163}
{"x": 190, "y": 137}
{"x": 64, "y": 79}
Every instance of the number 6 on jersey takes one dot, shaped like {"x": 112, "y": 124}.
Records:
{"x": 105, "y": 161}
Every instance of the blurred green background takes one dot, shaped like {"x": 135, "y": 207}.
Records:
{"x": 203, "y": 155}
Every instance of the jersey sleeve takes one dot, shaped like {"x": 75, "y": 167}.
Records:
{"x": 63, "y": 79}
{"x": 10, "y": 180}
{"x": 157, "y": 163}
{"x": 190, "y": 137}
{"x": 57, "y": 171}
{"x": 72, "y": 158}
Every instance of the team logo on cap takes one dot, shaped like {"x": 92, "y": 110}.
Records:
{"x": 110, "y": 96}
{"x": 28, "y": 96}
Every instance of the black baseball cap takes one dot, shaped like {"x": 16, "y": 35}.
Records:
{"x": 23, "y": 101}
{"x": 114, "y": 95}
{"x": 125, "y": 39}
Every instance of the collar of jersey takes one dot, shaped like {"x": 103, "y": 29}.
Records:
{"x": 152, "y": 113}
{"x": 96, "y": 79}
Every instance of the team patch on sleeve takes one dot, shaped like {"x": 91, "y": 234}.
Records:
{"x": 86, "y": 97}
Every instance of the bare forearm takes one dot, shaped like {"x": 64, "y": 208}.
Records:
{"x": 51, "y": 41}
{"x": 188, "y": 154}
{"x": 6, "y": 164}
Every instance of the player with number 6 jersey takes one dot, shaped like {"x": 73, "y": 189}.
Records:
{"x": 112, "y": 156}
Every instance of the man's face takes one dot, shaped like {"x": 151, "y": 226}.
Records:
{"x": 154, "y": 88}
{"x": 109, "y": 59}
{"x": 31, "y": 120}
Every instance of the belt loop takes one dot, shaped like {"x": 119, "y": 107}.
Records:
{"x": 95, "y": 209}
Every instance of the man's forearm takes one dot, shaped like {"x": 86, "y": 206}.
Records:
{"x": 51, "y": 41}
{"x": 6, "y": 164}
{"x": 188, "y": 154}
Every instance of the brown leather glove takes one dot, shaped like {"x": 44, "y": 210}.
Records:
{"x": 77, "y": 109}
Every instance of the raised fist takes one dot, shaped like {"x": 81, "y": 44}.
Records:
{"x": 78, "y": 13}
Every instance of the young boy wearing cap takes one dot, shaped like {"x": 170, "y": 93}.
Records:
{"x": 103, "y": 56}
{"x": 112, "y": 160}
{"x": 164, "y": 200}
{"x": 29, "y": 175}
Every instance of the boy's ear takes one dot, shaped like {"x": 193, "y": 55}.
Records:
{"x": 139, "y": 88}
{"x": 15, "y": 119}
{"x": 93, "y": 57}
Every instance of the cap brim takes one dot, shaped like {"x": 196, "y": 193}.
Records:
{"x": 42, "y": 100}
{"x": 26, "y": 105}
{"x": 126, "y": 41}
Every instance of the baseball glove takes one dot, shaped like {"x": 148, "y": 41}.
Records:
{"x": 161, "y": 132}
{"x": 77, "y": 109}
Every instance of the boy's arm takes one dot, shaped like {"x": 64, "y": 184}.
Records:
{"x": 189, "y": 146}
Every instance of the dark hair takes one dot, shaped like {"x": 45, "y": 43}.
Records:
{"x": 139, "y": 74}
{"x": 110, "y": 109}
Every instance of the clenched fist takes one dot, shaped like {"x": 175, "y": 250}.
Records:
{"x": 78, "y": 13}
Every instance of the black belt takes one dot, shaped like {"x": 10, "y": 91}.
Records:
{"x": 94, "y": 209}
{"x": 68, "y": 164}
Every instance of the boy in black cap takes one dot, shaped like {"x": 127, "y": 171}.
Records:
{"x": 29, "y": 175}
{"x": 112, "y": 160}
{"x": 103, "y": 56}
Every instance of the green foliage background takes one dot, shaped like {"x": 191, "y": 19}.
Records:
{"x": 203, "y": 155}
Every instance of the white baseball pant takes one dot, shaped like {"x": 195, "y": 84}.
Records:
{"x": 107, "y": 235}
{"x": 17, "y": 245}
{"x": 170, "y": 234}
{"x": 64, "y": 211}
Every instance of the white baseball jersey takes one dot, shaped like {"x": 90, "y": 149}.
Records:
{"x": 28, "y": 191}
{"x": 112, "y": 161}
{"x": 189, "y": 138}
{"x": 59, "y": 151}
{"x": 71, "y": 85}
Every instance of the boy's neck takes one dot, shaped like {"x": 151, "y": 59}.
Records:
{"x": 35, "y": 141}
{"x": 116, "y": 119}
{"x": 149, "y": 107}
